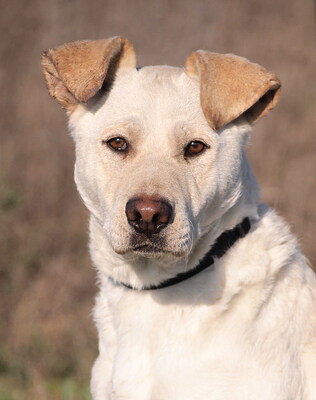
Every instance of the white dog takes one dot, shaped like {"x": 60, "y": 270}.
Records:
{"x": 204, "y": 294}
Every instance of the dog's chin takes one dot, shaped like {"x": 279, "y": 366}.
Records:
{"x": 156, "y": 246}
{"x": 149, "y": 250}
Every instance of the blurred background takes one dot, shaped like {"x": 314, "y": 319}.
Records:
{"x": 47, "y": 284}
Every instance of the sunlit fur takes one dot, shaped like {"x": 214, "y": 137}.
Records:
{"x": 244, "y": 329}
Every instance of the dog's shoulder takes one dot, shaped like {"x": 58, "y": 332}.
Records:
{"x": 271, "y": 244}
{"x": 269, "y": 261}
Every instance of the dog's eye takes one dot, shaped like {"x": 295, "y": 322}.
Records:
{"x": 194, "y": 148}
{"x": 117, "y": 144}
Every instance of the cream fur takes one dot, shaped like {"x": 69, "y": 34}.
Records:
{"x": 244, "y": 329}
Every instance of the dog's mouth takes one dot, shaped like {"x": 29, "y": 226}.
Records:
{"x": 148, "y": 249}
{"x": 155, "y": 244}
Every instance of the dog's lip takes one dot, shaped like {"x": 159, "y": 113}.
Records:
{"x": 148, "y": 248}
{"x": 143, "y": 248}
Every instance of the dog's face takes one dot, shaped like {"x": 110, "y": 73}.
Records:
{"x": 147, "y": 161}
{"x": 158, "y": 159}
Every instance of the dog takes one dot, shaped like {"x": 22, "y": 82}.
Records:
{"x": 204, "y": 293}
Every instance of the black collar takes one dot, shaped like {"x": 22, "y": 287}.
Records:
{"x": 223, "y": 243}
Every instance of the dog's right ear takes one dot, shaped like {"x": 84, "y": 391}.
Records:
{"x": 75, "y": 72}
{"x": 231, "y": 86}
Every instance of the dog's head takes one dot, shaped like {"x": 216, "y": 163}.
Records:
{"x": 159, "y": 149}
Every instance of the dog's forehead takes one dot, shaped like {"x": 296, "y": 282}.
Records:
{"x": 159, "y": 78}
{"x": 152, "y": 94}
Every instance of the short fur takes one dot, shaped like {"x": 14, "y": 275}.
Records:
{"x": 242, "y": 329}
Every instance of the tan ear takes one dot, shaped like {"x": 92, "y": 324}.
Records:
{"x": 232, "y": 86}
{"x": 74, "y": 72}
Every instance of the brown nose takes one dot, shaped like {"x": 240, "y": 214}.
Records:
{"x": 148, "y": 215}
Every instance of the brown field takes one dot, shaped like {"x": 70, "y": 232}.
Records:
{"x": 47, "y": 284}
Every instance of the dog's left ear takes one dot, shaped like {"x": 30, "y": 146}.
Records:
{"x": 75, "y": 72}
{"x": 231, "y": 86}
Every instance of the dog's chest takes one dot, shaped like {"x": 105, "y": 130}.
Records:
{"x": 180, "y": 351}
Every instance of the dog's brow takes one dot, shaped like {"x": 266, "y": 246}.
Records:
{"x": 126, "y": 126}
{"x": 187, "y": 131}
{"x": 117, "y": 126}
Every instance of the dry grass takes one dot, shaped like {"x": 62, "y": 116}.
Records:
{"x": 46, "y": 281}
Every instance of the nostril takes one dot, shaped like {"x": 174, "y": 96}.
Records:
{"x": 138, "y": 216}
{"x": 131, "y": 212}
{"x": 155, "y": 218}
{"x": 165, "y": 214}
